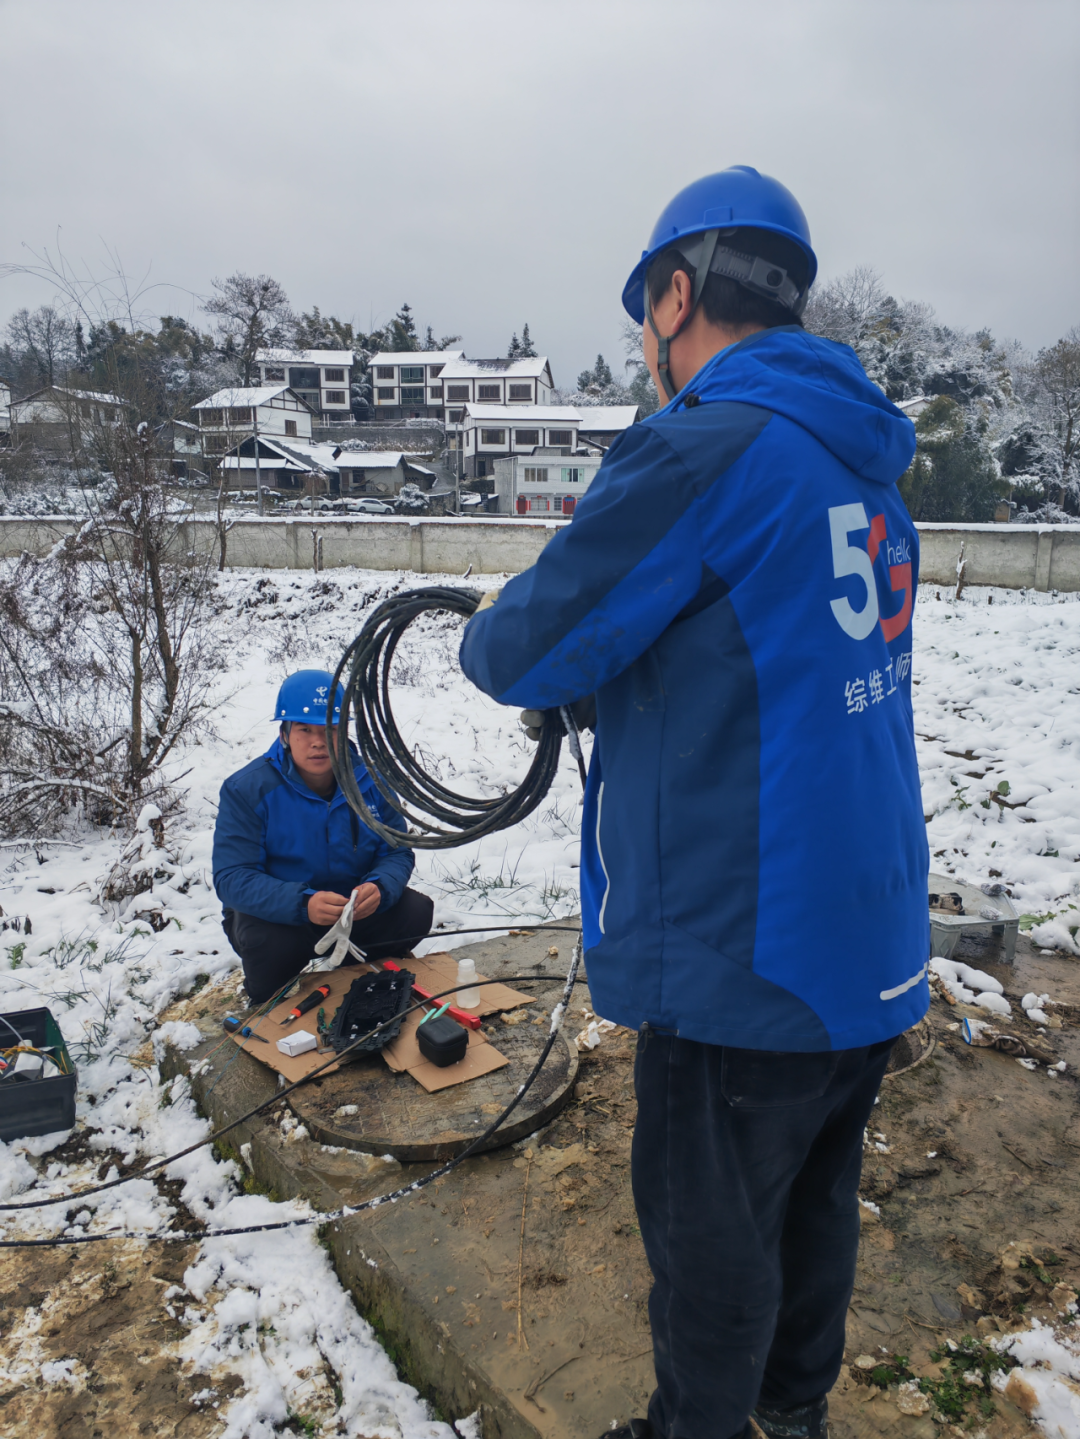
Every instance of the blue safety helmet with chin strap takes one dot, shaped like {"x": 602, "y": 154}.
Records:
{"x": 302, "y": 698}
{"x": 697, "y": 220}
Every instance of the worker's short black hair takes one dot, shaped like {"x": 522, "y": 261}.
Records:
{"x": 725, "y": 301}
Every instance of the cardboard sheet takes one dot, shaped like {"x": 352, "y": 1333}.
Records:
{"x": 403, "y": 1053}
{"x": 270, "y": 1027}
{"x": 435, "y": 972}
{"x": 439, "y": 971}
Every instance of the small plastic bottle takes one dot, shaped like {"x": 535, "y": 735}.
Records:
{"x": 468, "y": 996}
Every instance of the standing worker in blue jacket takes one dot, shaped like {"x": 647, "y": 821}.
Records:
{"x": 288, "y": 852}
{"x": 736, "y": 588}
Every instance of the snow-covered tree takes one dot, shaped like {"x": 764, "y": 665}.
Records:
{"x": 252, "y": 312}
{"x": 954, "y": 475}
{"x": 522, "y": 349}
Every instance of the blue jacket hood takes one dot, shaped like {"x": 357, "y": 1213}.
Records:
{"x": 821, "y": 386}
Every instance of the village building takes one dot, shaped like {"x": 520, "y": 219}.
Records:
{"x": 322, "y": 379}
{"x": 547, "y": 482}
{"x": 327, "y": 469}
{"x": 5, "y": 411}
{"x": 57, "y": 417}
{"x": 228, "y": 415}
{"x": 602, "y": 424}
{"x": 487, "y": 433}
{"x": 408, "y": 384}
{"x": 437, "y": 384}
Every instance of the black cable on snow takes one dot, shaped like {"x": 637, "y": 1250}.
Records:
{"x": 348, "y": 1210}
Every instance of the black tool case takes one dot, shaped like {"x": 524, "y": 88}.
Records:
{"x": 36, "y": 1106}
{"x": 442, "y": 1040}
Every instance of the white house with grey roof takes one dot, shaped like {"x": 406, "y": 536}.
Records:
{"x": 437, "y": 384}
{"x": 322, "y": 379}
{"x": 228, "y": 415}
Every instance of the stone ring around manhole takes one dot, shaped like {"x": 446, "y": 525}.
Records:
{"x": 395, "y": 1116}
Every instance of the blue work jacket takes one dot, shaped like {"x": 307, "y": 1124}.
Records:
{"x": 276, "y": 842}
{"x": 737, "y": 588}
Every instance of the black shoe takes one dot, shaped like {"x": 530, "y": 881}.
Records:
{"x": 805, "y": 1421}
{"x": 636, "y": 1429}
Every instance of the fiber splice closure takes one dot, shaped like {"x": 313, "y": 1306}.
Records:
{"x": 696, "y": 223}
{"x": 438, "y": 818}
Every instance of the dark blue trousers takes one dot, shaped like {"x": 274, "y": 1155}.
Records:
{"x": 746, "y": 1168}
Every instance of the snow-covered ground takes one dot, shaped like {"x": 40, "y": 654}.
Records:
{"x": 997, "y": 702}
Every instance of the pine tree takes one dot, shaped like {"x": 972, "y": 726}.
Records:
{"x": 401, "y": 331}
{"x": 514, "y": 350}
{"x": 527, "y": 349}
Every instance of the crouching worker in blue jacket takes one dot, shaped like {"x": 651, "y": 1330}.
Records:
{"x": 736, "y": 588}
{"x": 288, "y": 852}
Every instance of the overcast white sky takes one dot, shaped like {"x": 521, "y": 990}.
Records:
{"x": 496, "y": 161}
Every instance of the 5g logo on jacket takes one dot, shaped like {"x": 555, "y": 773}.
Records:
{"x": 849, "y": 559}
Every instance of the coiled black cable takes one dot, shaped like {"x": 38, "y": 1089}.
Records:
{"x": 438, "y": 817}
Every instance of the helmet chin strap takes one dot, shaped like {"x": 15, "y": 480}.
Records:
{"x": 663, "y": 342}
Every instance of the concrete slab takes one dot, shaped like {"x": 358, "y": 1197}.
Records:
{"x": 518, "y": 1284}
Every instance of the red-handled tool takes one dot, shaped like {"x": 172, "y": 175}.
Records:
{"x": 308, "y": 1002}
{"x": 471, "y": 1021}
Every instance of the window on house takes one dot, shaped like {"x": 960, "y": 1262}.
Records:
{"x": 412, "y": 374}
{"x": 290, "y": 427}
{"x": 436, "y": 392}
{"x": 240, "y": 415}
{"x": 535, "y": 476}
{"x": 435, "y": 371}
{"x": 561, "y": 437}
{"x": 210, "y": 418}
{"x": 333, "y": 376}
{"x": 526, "y": 437}
{"x": 493, "y": 437}
{"x": 274, "y": 372}
{"x": 384, "y": 396}
{"x": 487, "y": 392}
{"x": 457, "y": 392}
{"x": 216, "y": 444}
{"x": 335, "y": 397}
{"x": 384, "y": 372}
{"x": 85, "y": 410}
{"x": 521, "y": 392}
{"x": 454, "y": 417}
{"x": 539, "y": 502}
{"x": 573, "y": 476}
{"x": 304, "y": 378}
{"x": 412, "y": 394}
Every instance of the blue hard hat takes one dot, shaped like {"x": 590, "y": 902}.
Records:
{"x": 302, "y": 698}
{"x": 733, "y": 198}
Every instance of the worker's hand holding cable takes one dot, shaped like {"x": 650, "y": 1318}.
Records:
{"x": 584, "y": 712}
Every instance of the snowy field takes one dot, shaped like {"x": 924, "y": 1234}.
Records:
{"x": 998, "y": 717}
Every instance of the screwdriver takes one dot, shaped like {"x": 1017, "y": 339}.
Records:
{"x": 308, "y": 1002}
{"x": 233, "y": 1025}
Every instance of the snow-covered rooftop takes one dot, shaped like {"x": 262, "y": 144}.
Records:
{"x": 463, "y": 369}
{"x": 531, "y": 415}
{"x": 606, "y": 418}
{"x": 230, "y": 399}
{"x": 304, "y": 357}
{"x": 416, "y": 357}
{"x": 72, "y": 394}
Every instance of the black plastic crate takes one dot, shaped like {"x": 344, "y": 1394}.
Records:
{"x": 36, "y": 1106}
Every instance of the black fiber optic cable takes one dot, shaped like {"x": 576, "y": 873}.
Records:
{"x": 347, "y": 1211}
{"x": 438, "y": 817}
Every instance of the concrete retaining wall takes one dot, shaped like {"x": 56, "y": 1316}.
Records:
{"x": 1039, "y": 557}
{"x": 431, "y": 546}
{"x": 1036, "y": 557}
